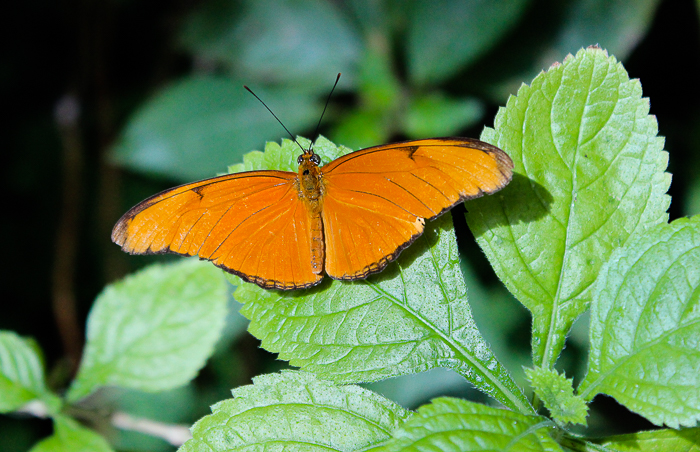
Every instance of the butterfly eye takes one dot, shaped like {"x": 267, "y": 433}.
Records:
{"x": 316, "y": 159}
{"x": 299, "y": 160}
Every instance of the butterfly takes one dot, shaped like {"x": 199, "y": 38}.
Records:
{"x": 348, "y": 218}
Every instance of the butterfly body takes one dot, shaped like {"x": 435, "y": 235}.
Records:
{"x": 347, "y": 219}
{"x": 311, "y": 190}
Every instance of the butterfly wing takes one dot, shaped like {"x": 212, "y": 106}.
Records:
{"x": 376, "y": 200}
{"x": 251, "y": 224}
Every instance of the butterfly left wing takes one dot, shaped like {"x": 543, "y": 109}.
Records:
{"x": 251, "y": 224}
{"x": 376, "y": 200}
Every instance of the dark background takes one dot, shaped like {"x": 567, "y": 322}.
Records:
{"x": 77, "y": 77}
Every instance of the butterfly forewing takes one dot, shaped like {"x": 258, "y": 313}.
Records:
{"x": 376, "y": 199}
{"x": 252, "y": 224}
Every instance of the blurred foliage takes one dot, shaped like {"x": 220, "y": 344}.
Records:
{"x": 159, "y": 90}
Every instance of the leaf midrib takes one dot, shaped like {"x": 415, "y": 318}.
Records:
{"x": 455, "y": 346}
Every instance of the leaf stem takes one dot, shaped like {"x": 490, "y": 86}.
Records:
{"x": 536, "y": 402}
{"x": 174, "y": 434}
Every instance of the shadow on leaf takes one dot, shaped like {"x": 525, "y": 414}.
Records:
{"x": 522, "y": 201}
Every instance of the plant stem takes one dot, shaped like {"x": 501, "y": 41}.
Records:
{"x": 174, "y": 434}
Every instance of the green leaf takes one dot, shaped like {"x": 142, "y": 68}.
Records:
{"x": 197, "y": 126}
{"x": 557, "y": 393}
{"x": 412, "y": 317}
{"x": 379, "y": 88}
{"x": 295, "y": 411}
{"x": 617, "y": 26}
{"x": 69, "y": 436}
{"x": 666, "y": 440}
{"x": 439, "y": 116}
{"x": 589, "y": 175}
{"x": 444, "y": 36}
{"x": 154, "y": 330}
{"x": 457, "y": 425}
{"x": 284, "y": 157}
{"x": 645, "y": 326}
{"x": 362, "y": 129}
{"x": 22, "y": 374}
{"x": 562, "y": 28}
{"x": 296, "y": 42}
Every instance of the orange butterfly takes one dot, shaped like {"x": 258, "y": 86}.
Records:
{"x": 349, "y": 218}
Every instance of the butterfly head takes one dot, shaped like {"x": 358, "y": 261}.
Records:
{"x": 309, "y": 174}
{"x": 309, "y": 157}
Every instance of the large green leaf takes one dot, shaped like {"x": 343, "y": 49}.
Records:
{"x": 445, "y": 35}
{"x": 449, "y": 425}
{"x": 664, "y": 440}
{"x": 412, "y": 317}
{"x": 645, "y": 326}
{"x": 196, "y": 127}
{"x": 295, "y": 411}
{"x": 69, "y": 436}
{"x": 154, "y": 330}
{"x": 22, "y": 374}
{"x": 302, "y": 43}
{"x": 589, "y": 175}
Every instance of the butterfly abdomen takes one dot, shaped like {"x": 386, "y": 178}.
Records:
{"x": 316, "y": 240}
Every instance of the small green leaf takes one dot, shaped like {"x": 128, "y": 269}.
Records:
{"x": 665, "y": 440}
{"x": 379, "y": 87}
{"x": 196, "y": 127}
{"x": 22, "y": 374}
{"x": 439, "y": 116}
{"x": 295, "y": 411}
{"x": 154, "y": 330}
{"x": 362, "y": 129}
{"x": 69, "y": 436}
{"x": 295, "y": 42}
{"x": 617, "y": 26}
{"x": 379, "y": 93}
{"x": 412, "y": 317}
{"x": 444, "y": 36}
{"x": 284, "y": 157}
{"x": 457, "y": 425}
{"x": 589, "y": 174}
{"x": 645, "y": 326}
{"x": 557, "y": 393}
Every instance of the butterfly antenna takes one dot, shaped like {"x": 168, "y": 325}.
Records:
{"x": 326, "y": 106}
{"x": 278, "y": 119}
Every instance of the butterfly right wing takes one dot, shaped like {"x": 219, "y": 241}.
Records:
{"x": 377, "y": 199}
{"x": 250, "y": 224}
